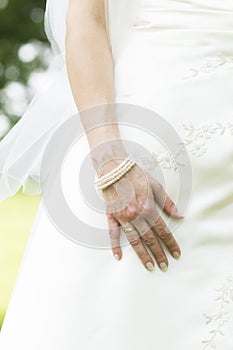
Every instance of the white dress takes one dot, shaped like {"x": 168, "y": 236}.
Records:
{"x": 174, "y": 57}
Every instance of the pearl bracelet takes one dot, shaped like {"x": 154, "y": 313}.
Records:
{"x": 115, "y": 174}
{"x": 115, "y": 170}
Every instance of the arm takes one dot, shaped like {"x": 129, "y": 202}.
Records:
{"x": 91, "y": 74}
{"x": 89, "y": 58}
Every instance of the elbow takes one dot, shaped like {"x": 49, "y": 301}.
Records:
{"x": 81, "y": 27}
{"x": 77, "y": 18}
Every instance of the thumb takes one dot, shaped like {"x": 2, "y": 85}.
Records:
{"x": 164, "y": 201}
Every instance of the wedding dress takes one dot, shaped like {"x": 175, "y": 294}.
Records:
{"x": 173, "y": 57}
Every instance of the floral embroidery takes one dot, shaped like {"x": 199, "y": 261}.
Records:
{"x": 164, "y": 160}
{"x": 216, "y": 61}
{"x": 195, "y": 141}
{"x": 197, "y": 137}
{"x": 219, "y": 318}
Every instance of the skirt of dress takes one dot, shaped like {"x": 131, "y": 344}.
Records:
{"x": 68, "y": 296}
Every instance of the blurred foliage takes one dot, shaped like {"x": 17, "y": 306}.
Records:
{"x": 21, "y": 22}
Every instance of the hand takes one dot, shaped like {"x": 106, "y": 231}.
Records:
{"x": 131, "y": 202}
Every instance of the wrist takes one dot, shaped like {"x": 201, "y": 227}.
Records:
{"x": 116, "y": 174}
{"x": 108, "y": 155}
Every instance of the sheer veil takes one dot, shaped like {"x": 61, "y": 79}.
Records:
{"x": 21, "y": 151}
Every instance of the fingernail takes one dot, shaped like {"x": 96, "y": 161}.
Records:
{"x": 149, "y": 266}
{"x": 163, "y": 266}
{"x": 116, "y": 256}
{"x": 178, "y": 214}
{"x": 176, "y": 255}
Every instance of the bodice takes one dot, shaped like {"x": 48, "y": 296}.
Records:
{"x": 197, "y": 15}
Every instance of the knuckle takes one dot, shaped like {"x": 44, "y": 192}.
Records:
{"x": 163, "y": 234}
{"x": 149, "y": 238}
{"x": 121, "y": 217}
{"x": 132, "y": 213}
{"x": 169, "y": 204}
{"x": 132, "y": 236}
{"x": 135, "y": 241}
{"x": 148, "y": 209}
{"x": 158, "y": 225}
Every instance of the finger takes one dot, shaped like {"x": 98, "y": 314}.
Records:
{"x": 161, "y": 229}
{"x": 164, "y": 201}
{"x": 152, "y": 242}
{"x": 115, "y": 233}
{"x": 139, "y": 248}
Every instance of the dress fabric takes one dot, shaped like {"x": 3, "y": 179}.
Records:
{"x": 177, "y": 60}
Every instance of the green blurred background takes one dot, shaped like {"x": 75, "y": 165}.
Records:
{"x": 24, "y": 57}
{"x": 16, "y": 217}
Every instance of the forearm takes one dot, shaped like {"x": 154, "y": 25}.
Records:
{"x": 89, "y": 59}
{"x": 91, "y": 75}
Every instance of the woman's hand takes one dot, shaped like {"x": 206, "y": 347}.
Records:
{"x": 132, "y": 202}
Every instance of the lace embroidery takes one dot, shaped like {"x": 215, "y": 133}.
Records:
{"x": 195, "y": 141}
{"x": 216, "y": 61}
{"x": 164, "y": 160}
{"x": 219, "y": 318}
{"x": 197, "y": 137}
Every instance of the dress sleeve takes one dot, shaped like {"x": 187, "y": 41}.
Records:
{"x": 55, "y": 24}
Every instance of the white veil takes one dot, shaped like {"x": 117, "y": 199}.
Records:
{"x": 21, "y": 150}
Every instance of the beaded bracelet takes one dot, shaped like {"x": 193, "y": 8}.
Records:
{"x": 115, "y": 174}
{"x": 115, "y": 171}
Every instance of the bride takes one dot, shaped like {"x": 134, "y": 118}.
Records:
{"x": 169, "y": 283}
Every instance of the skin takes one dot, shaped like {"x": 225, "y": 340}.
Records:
{"x": 135, "y": 197}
